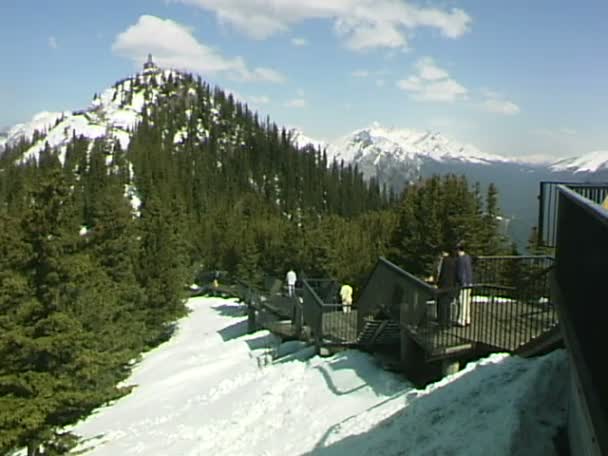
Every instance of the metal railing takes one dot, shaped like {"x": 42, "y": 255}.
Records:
{"x": 548, "y": 210}
{"x": 323, "y": 313}
{"x": 579, "y": 287}
{"x": 529, "y": 275}
{"x": 501, "y": 318}
{"x": 509, "y": 305}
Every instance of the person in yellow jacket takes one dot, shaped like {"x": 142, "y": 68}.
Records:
{"x": 346, "y": 295}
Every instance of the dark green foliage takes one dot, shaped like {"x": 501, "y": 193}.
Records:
{"x": 436, "y": 214}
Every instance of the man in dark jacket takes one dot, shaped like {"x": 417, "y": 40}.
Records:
{"x": 446, "y": 282}
{"x": 464, "y": 279}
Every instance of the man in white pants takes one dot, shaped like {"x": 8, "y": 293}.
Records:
{"x": 291, "y": 282}
{"x": 464, "y": 279}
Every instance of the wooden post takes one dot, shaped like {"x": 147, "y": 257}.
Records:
{"x": 251, "y": 323}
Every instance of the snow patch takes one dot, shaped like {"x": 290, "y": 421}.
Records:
{"x": 591, "y": 162}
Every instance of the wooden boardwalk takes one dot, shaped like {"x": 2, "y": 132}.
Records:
{"x": 497, "y": 324}
{"x": 501, "y": 325}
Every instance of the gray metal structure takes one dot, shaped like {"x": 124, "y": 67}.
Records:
{"x": 579, "y": 287}
{"x": 548, "y": 208}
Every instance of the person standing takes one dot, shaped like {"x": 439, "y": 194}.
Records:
{"x": 291, "y": 279}
{"x": 446, "y": 283}
{"x": 346, "y": 296}
{"x": 464, "y": 279}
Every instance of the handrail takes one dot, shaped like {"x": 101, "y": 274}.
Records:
{"x": 599, "y": 213}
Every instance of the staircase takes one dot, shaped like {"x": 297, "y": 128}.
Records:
{"x": 378, "y": 332}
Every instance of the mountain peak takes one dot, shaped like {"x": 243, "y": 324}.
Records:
{"x": 591, "y": 162}
{"x": 407, "y": 144}
{"x": 113, "y": 113}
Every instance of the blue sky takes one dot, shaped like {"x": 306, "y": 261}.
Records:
{"x": 514, "y": 78}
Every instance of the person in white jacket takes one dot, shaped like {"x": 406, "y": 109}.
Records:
{"x": 291, "y": 279}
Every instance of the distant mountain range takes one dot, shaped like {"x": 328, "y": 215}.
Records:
{"x": 400, "y": 156}
{"x": 395, "y": 157}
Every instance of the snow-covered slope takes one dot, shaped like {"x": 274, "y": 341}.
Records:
{"x": 112, "y": 114}
{"x": 379, "y": 142}
{"x": 588, "y": 163}
{"x": 41, "y": 122}
{"x": 214, "y": 390}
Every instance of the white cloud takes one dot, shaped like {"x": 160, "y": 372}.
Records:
{"x": 495, "y": 102}
{"x": 362, "y": 24}
{"x": 173, "y": 45}
{"x": 53, "y": 42}
{"x": 296, "y": 103}
{"x": 380, "y": 82}
{"x": 500, "y": 106}
{"x": 429, "y": 71}
{"x": 299, "y": 41}
{"x": 432, "y": 83}
{"x": 360, "y": 74}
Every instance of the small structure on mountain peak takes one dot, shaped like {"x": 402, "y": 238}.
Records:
{"x": 150, "y": 66}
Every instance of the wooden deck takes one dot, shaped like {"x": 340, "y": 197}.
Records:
{"x": 501, "y": 325}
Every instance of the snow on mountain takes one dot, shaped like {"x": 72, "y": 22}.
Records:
{"x": 591, "y": 162}
{"x": 394, "y": 156}
{"x": 214, "y": 389}
{"x": 41, "y": 122}
{"x": 112, "y": 114}
{"x": 300, "y": 140}
{"x": 406, "y": 144}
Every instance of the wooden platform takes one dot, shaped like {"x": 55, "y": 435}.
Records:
{"x": 501, "y": 325}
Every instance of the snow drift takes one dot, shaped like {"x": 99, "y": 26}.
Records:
{"x": 213, "y": 389}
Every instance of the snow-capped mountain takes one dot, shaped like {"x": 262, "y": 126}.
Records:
{"x": 377, "y": 143}
{"x": 113, "y": 114}
{"x": 588, "y": 163}
{"x": 300, "y": 140}
{"x": 41, "y": 122}
{"x": 397, "y": 156}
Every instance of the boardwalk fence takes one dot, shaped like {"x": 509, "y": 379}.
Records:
{"x": 322, "y": 312}
{"x": 509, "y": 304}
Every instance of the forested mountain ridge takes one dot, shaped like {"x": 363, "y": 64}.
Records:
{"x": 106, "y": 216}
